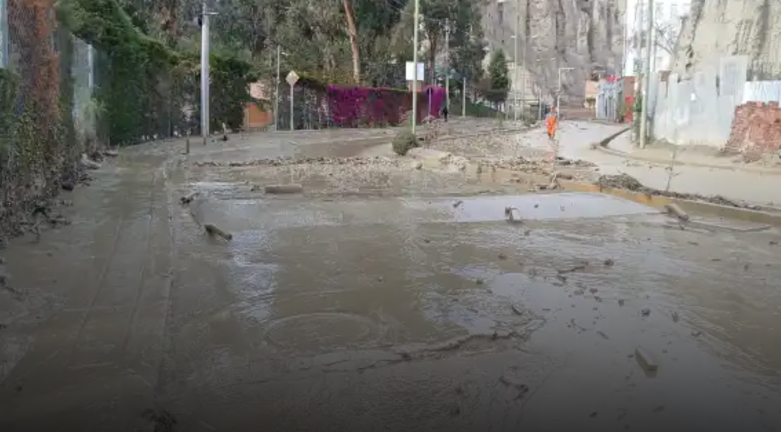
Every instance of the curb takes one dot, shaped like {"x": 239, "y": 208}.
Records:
{"x": 697, "y": 207}
{"x": 604, "y": 147}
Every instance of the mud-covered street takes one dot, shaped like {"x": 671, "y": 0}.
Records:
{"x": 390, "y": 295}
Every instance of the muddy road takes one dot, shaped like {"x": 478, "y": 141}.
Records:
{"x": 385, "y": 297}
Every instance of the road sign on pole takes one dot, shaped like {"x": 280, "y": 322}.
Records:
{"x": 292, "y": 79}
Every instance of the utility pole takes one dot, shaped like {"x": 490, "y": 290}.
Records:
{"x": 4, "y": 33}
{"x": 447, "y": 62}
{"x": 637, "y": 58}
{"x": 515, "y": 57}
{"x": 205, "y": 73}
{"x": 463, "y": 96}
{"x": 415, "y": 24}
{"x": 276, "y": 92}
{"x": 647, "y": 76}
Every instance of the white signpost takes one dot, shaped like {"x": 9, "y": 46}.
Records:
{"x": 410, "y": 71}
{"x": 292, "y": 79}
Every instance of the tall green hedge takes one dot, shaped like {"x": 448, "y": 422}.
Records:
{"x": 145, "y": 83}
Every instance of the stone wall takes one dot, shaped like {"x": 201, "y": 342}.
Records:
{"x": 756, "y": 130}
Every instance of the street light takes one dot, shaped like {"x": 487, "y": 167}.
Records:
{"x": 416, "y": 18}
{"x": 205, "y": 14}
{"x": 276, "y": 92}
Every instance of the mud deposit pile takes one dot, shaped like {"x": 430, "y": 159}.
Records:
{"x": 354, "y": 175}
{"x": 627, "y": 182}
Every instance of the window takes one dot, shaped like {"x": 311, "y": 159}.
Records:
{"x": 674, "y": 11}
{"x": 500, "y": 10}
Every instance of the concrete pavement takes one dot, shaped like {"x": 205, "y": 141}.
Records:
{"x": 576, "y": 139}
{"x": 694, "y": 156}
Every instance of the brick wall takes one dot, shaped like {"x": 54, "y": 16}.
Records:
{"x": 756, "y": 129}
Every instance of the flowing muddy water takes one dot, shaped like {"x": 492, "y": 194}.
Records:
{"x": 403, "y": 304}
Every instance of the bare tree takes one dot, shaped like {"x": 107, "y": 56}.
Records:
{"x": 666, "y": 36}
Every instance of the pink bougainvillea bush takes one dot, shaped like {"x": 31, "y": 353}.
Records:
{"x": 377, "y": 107}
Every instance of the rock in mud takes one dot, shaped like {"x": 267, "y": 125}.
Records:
{"x": 87, "y": 163}
{"x": 645, "y": 361}
{"x": 283, "y": 189}
{"x": 676, "y": 211}
{"x": 214, "y": 231}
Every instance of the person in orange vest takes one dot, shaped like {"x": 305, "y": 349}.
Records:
{"x": 552, "y": 123}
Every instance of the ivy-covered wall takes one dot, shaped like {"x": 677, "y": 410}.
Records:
{"x": 144, "y": 85}
{"x": 140, "y": 89}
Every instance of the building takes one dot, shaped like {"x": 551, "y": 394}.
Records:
{"x": 667, "y": 20}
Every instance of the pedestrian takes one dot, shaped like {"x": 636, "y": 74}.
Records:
{"x": 552, "y": 123}
{"x": 444, "y": 111}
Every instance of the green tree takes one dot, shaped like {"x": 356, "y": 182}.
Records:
{"x": 499, "y": 78}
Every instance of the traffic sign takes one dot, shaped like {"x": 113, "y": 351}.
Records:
{"x": 292, "y": 78}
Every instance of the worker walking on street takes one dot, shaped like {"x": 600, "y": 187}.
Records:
{"x": 552, "y": 123}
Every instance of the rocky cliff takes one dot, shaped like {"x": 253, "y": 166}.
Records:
{"x": 586, "y": 35}
{"x": 732, "y": 27}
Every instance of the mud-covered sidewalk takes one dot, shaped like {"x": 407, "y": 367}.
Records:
{"x": 388, "y": 295}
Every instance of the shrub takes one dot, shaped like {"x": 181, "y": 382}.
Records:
{"x": 403, "y": 142}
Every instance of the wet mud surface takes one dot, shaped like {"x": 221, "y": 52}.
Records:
{"x": 384, "y": 297}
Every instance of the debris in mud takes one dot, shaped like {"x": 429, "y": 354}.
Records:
{"x": 517, "y": 309}
{"x": 479, "y": 282}
{"x": 645, "y": 361}
{"x": 579, "y": 267}
{"x": 609, "y": 262}
{"x": 457, "y": 204}
{"x": 110, "y": 153}
{"x": 88, "y": 163}
{"x": 214, "y": 231}
{"x": 187, "y": 199}
{"x": 696, "y": 333}
{"x": 287, "y": 161}
{"x": 676, "y": 211}
{"x": 620, "y": 302}
{"x": 675, "y": 317}
{"x": 283, "y": 189}
{"x": 645, "y": 312}
{"x": 512, "y": 215}
{"x": 502, "y": 256}
{"x": 627, "y": 182}
{"x": 162, "y": 420}
{"x": 522, "y": 388}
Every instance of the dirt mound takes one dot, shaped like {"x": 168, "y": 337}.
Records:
{"x": 627, "y": 182}
{"x": 281, "y": 162}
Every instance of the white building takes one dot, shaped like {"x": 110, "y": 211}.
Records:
{"x": 667, "y": 16}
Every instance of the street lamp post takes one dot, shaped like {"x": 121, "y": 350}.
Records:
{"x": 415, "y": 24}
{"x": 276, "y": 91}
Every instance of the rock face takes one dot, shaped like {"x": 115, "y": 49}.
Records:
{"x": 586, "y": 35}
{"x": 732, "y": 27}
